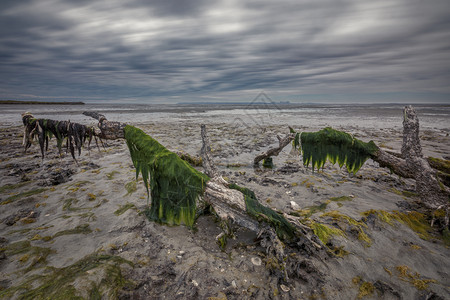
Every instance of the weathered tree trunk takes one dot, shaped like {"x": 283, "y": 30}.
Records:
{"x": 230, "y": 206}
{"x": 410, "y": 163}
{"x": 108, "y": 130}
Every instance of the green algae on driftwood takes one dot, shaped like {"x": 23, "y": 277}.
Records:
{"x": 174, "y": 185}
{"x": 255, "y": 209}
{"x": 335, "y": 146}
{"x": 44, "y": 129}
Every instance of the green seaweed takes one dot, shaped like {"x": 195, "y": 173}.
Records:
{"x": 38, "y": 254}
{"x": 255, "y": 209}
{"x": 296, "y": 141}
{"x": 268, "y": 163}
{"x": 341, "y": 198}
{"x": 174, "y": 185}
{"x": 110, "y": 176}
{"x": 58, "y": 283}
{"x": 24, "y": 194}
{"x": 124, "y": 208}
{"x": 130, "y": 187}
{"x": 310, "y": 210}
{"x": 335, "y": 146}
{"x": 12, "y": 186}
{"x": 80, "y": 229}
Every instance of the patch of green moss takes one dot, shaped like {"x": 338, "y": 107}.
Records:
{"x": 80, "y": 229}
{"x": 324, "y": 233}
{"x": 356, "y": 225}
{"x": 24, "y": 194}
{"x": 58, "y": 282}
{"x": 131, "y": 187}
{"x": 124, "y": 208}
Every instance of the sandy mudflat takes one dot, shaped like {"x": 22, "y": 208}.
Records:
{"x": 79, "y": 230}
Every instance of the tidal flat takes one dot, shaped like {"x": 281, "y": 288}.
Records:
{"x": 72, "y": 230}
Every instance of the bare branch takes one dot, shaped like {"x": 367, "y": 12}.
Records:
{"x": 282, "y": 142}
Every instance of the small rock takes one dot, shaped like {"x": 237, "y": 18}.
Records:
{"x": 195, "y": 283}
{"x": 182, "y": 252}
{"x": 256, "y": 261}
{"x": 351, "y": 196}
{"x": 233, "y": 283}
{"x": 294, "y": 205}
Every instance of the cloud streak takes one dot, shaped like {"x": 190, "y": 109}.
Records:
{"x": 228, "y": 50}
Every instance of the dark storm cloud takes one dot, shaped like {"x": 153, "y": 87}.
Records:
{"x": 224, "y": 49}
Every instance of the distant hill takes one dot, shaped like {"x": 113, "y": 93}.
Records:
{"x": 40, "y": 102}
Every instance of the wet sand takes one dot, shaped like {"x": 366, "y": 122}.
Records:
{"x": 57, "y": 216}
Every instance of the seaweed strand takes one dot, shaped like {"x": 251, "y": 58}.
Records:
{"x": 173, "y": 184}
{"x": 44, "y": 129}
{"x": 335, "y": 146}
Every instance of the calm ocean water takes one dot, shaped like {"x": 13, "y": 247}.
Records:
{"x": 297, "y": 115}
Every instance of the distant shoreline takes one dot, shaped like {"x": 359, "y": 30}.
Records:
{"x": 39, "y": 102}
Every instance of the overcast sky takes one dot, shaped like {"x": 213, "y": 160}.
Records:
{"x": 203, "y": 50}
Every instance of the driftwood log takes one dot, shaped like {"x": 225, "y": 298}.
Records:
{"x": 229, "y": 206}
{"x": 410, "y": 163}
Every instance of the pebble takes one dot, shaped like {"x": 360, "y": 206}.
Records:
{"x": 294, "y": 205}
{"x": 195, "y": 283}
{"x": 284, "y": 288}
{"x": 233, "y": 283}
{"x": 256, "y": 261}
